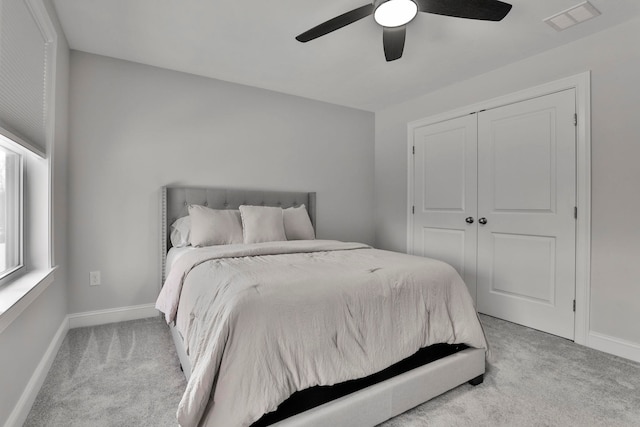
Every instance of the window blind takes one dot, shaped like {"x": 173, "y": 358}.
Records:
{"x": 23, "y": 76}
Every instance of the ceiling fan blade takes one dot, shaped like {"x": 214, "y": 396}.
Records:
{"x": 393, "y": 40}
{"x": 336, "y": 23}
{"x": 486, "y": 10}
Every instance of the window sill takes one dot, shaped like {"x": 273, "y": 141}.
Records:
{"x": 20, "y": 293}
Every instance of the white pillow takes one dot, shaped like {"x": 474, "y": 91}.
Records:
{"x": 297, "y": 225}
{"x": 180, "y": 232}
{"x": 214, "y": 226}
{"x": 262, "y": 224}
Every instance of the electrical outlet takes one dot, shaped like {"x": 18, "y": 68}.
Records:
{"x": 94, "y": 278}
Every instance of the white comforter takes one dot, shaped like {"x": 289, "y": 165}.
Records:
{"x": 262, "y": 321}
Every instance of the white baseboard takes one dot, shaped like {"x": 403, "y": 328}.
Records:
{"x": 22, "y": 408}
{"x": 112, "y": 315}
{"x": 615, "y": 346}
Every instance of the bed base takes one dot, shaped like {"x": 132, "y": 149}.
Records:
{"x": 387, "y": 399}
{"x": 377, "y": 403}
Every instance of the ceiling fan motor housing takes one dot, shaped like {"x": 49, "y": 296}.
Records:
{"x": 394, "y": 14}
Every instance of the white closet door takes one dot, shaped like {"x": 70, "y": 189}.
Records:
{"x": 527, "y": 194}
{"x": 445, "y": 194}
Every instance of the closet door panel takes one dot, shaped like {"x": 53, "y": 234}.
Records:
{"x": 526, "y": 194}
{"x": 524, "y": 158}
{"x": 442, "y": 156}
{"x": 445, "y": 195}
{"x": 444, "y": 244}
{"x": 526, "y": 266}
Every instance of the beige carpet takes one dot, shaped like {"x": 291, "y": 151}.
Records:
{"x": 536, "y": 379}
{"x": 127, "y": 374}
{"x": 122, "y": 374}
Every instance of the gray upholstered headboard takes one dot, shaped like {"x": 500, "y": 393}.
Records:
{"x": 175, "y": 199}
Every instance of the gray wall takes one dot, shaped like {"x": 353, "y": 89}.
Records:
{"x": 614, "y": 58}
{"x": 135, "y": 128}
{"x": 25, "y": 341}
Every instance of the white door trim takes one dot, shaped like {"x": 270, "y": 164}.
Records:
{"x": 582, "y": 85}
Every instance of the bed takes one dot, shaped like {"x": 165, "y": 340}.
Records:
{"x": 347, "y": 386}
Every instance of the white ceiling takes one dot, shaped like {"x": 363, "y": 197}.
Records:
{"x": 252, "y": 43}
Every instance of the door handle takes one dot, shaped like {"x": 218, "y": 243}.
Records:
{"x": 482, "y": 220}
{"x": 469, "y": 220}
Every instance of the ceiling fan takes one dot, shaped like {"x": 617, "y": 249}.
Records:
{"x": 393, "y": 15}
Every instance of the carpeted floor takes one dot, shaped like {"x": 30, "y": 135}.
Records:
{"x": 127, "y": 374}
{"x": 121, "y": 374}
{"x": 537, "y": 379}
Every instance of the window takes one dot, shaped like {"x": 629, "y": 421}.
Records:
{"x": 11, "y": 254}
{"x": 28, "y": 60}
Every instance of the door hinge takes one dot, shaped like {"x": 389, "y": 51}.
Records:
{"x": 575, "y": 119}
{"x": 574, "y": 305}
{"x": 414, "y": 150}
{"x": 413, "y": 210}
{"x": 575, "y": 212}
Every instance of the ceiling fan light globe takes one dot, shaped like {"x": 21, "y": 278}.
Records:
{"x": 395, "y": 13}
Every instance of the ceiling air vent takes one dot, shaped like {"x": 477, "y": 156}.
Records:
{"x": 572, "y": 16}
